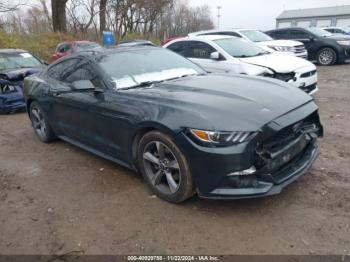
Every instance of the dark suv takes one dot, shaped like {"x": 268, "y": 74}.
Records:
{"x": 324, "y": 47}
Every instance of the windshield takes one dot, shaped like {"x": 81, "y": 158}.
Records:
{"x": 134, "y": 68}
{"x": 255, "y": 36}
{"x": 318, "y": 32}
{"x": 240, "y": 48}
{"x": 18, "y": 60}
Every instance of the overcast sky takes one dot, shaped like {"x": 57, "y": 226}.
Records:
{"x": 260, "y": 14}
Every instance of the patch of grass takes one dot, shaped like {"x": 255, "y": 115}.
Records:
{"x": 43, "y": 45}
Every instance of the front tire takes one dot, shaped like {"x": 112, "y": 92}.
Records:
{"x": 326, "y": 56}
{"x": 164, "y": 168}
{"x": 41, "y": 126}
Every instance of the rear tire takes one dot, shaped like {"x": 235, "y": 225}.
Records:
{"x": 164, "y": 168}
{"x": 326, "y": 56}
{"x": 40, "y": 124}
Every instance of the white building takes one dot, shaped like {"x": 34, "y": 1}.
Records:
{"x": 319, "y": 17}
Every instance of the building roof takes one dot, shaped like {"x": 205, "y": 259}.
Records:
{"x": 315, "y": 12}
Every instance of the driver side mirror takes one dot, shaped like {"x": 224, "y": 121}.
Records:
{"x": 83, "y": 85}
{"x": 215, "y": 56}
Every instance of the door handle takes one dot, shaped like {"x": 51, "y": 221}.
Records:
{"x": 56, "y": 94}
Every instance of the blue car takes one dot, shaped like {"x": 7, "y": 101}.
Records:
{"x": 15, "y": 65}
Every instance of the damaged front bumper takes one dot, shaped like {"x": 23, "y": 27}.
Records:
{"x": 284, "y": 150}
{"x": 11, "y": 97}
{"x": 264, "y": 183}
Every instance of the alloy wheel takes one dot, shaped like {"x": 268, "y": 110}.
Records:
{"x": 162, "y": 167}
{"x": 326, "y": 57}
{"x": 39, "y": 123}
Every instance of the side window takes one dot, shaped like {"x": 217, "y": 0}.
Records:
{"x": 63, "y": 48}
{"x": 178, "y": 47}
{"x": 278, "y": 35}
{"x": 200, "y": 50}
{"x": 82, "y": 72}
{"x": 298, "y": 34}
{"x": 57, "y": 70}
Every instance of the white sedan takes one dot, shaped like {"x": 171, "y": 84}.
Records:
{"x": 226, "y": 54}
{"x": 283, "y": 47}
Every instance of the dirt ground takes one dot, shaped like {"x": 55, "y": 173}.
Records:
{"x": 56, "y": 199}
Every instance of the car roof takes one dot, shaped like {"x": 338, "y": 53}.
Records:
{"x": 135, "y": 42}
{"x": 12, "y": 51}
{"x": 98, "y": 52}
{"x": 286, "y": 28}
{"x": 204, "y": 37}
{"x": 332, "y": 27}
{"x": 222, "y": 30}
{"x": 103, "y": 50}
{"x": 77, "y": 42}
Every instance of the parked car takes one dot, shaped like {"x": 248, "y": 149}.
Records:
{"x": 15, "y": 65}
{"x": 285, "y": 47}
{"x": 70, "y": 47}
{"x": 337, "y": 30}
{"x": 227, "y": 54}
{"x": 186, "y": 131}
{"x": 322, "y": 46}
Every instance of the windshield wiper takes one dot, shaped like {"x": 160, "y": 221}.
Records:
{"x": 149, "y": 83}
{"x": 140, "y": 85}
{"x": 262, "y": 53}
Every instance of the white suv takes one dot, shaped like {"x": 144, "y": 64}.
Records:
{"x": 285, "y": 47}
{"x": 226, "y": 54}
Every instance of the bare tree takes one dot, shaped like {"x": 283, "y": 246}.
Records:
{"x": 59, "y": 15}
{"x": 5, "y": 6}
{"x": 103, "y": 7}
{"x": 82, "y": 15}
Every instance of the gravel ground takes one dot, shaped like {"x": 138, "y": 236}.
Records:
{"x": 56, "y": 199}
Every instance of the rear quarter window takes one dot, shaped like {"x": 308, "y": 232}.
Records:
{"x": 58, "y": 70}
{"x": 179, "y": 47}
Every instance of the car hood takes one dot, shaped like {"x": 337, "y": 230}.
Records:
{"x": 223, "y": 102}
{"x": 278, "y": 63}
{"x": 19, "y": 74}
{"x": 288, "y": 43}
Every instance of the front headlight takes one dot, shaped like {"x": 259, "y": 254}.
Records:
{"x": 282, "y": 48}
{"x": 344, "y": 42}
{"x": 222, "y": 138}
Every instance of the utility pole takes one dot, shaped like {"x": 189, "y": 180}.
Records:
{"x": 219, "y": 16}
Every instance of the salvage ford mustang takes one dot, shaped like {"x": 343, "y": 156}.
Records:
{"x": 15, "y": 65}
{"x": 151, "y": 110}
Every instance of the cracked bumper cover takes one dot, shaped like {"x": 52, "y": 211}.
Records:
{"x": 214, "y": 169}
{"x": 263, "y": 188}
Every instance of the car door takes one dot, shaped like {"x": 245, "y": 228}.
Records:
{"x": 199, "y": 53}
{"x": 68, "y": 106}
{"x": 302, "y": 36}
{"x": 102, "y": 123}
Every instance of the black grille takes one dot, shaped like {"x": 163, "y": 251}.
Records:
{"x": 285, "y": 76}
{"x": 309, "y": 89}
{"x": 300, "y": 49}
{"x": 292, "y": 131}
